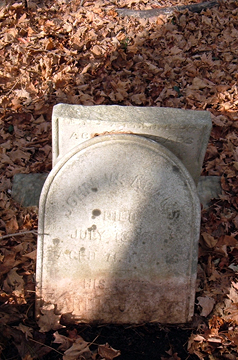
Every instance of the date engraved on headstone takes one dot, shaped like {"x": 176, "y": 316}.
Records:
{"x": 119, "y": 225}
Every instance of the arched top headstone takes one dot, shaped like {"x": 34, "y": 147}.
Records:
{"x": 119, "y": 223}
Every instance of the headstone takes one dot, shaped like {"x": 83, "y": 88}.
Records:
{"x": 184, "y": 132}
{"x": 119, "y": 221}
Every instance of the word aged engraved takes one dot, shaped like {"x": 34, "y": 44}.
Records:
{"x": 76, "y": 136}
{"x": 82, "y": 254}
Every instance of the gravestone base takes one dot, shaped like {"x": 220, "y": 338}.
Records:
{"x": 122, "y": 301}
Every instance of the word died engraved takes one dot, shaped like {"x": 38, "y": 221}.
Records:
{"x": 119, "y": 215}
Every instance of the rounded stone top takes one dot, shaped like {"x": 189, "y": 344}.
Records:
{"x": 119, "y": 172}
{"x": 106, "y": 144}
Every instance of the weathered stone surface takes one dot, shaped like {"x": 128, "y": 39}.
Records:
{"x": 119, "y": 223}
{"x": 26, "y": 188}
{"x": 184, "y": 132}
{"x": 24, "y": 192}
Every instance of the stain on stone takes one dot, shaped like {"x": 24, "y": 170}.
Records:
{"x": 96, "y": 212}
{"x": 94, "y": 189}
{"x": 56, "y": 241}
{"x": 175, "y": 169}
{"x": 92, "y": 228}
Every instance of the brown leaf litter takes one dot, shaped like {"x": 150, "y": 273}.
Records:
{"x": 84, "y": 53}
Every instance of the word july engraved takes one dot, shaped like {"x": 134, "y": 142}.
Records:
{"x": 90, "y": 234}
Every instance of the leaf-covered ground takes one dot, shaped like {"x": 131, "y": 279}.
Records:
{"x": 82, "y": 52}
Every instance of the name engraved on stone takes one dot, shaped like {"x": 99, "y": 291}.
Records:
{"x": 119, "y": 222}
{"x": 184, "y": 132}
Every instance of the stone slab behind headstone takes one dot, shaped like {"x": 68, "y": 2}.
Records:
{"x": 184, "y": 132}
{"x": 26, "y": 189}
{"x": 119, "y": 224}
{"x": 209, "y": 187}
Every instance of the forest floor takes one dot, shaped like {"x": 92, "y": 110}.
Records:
{"x": 84, "y": 53}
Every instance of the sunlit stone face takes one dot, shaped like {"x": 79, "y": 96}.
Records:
{"x": 119, "y": 223}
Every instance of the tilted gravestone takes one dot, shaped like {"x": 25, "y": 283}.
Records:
{"x": 184, "y": 132}
{"x": 119, "y": 222}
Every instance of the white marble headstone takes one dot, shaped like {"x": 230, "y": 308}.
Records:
{"x": 119, "y": 222}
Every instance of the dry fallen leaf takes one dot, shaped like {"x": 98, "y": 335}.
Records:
{"x": 89, "y": 55}
{"x": 49, "y": 320}
{"x": 63, "y": 340}
{"x": 210, "y": 241}
{"x": 79, "y": 347}
{"x": 107, "y": 352}
{"x": 25, "y": 329}
{"x": 207, "y": 303}
{"x": 12, "y": 225}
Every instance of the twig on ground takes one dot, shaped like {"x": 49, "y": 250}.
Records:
{"x": 19, "y": 234}
{"x": 37, "y": 342}
{"x": 9, "y": 92}
{"x": 93, "y": 342}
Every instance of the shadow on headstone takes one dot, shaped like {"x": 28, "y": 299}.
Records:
{"x": 26, "y": 189}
